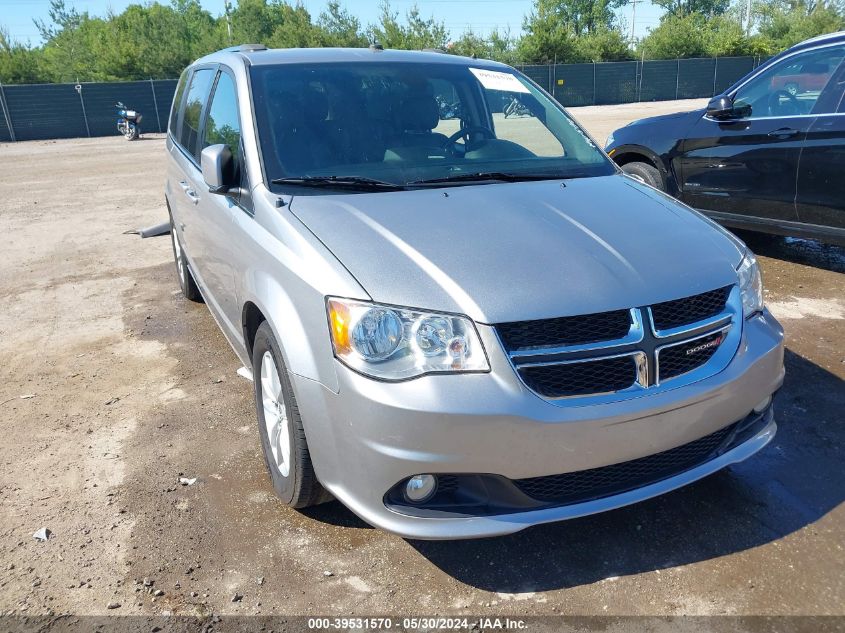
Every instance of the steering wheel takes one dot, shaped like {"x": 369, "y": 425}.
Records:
{"x": 789, "y": 107}
{"x": 452, "y": 146}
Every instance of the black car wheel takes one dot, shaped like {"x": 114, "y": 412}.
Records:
{"x": 645, "y": 173}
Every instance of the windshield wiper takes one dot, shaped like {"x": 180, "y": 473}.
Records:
{"x": 351, "y": 182}
{"x": 489, "y": 175}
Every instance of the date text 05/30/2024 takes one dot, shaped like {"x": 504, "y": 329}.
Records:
{"x": 416, "y": 623}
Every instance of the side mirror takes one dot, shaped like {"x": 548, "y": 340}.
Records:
{"x": 218, "y": 168}
{"x": 722, "y": 107}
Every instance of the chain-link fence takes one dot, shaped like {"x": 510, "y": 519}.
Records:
{"x": 46, "y": 111}
{"x": 649, "y": 80}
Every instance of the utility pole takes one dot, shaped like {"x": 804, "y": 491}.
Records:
{"x": 748, "y": 19}
{"x": 634, "y": 4}
{"x": 227, "y": 7}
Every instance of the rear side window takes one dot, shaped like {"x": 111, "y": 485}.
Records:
{"x": 177, "y": 103}
{"x": 194, "y": 102}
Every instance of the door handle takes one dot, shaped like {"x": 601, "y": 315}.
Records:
{"x": 784, "y": 132}
{"x": 184, "y": 185}
{"x": 192, "y": 195}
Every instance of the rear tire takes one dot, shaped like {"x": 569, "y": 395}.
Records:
{"x": 645, "y": 173}
{"x": 183, "y": 272}
{"x": 280, "y": 427}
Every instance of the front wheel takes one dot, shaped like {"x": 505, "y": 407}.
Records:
{"x": 280, "y": 426}
{"x": 644, "y": 173}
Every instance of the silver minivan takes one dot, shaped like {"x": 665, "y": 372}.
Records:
{"x": 460, "y": 317}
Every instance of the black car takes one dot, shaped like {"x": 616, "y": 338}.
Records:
{"x": 768, "y": 154}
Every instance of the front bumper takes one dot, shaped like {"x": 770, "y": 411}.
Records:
{"x": 371, "y": 435}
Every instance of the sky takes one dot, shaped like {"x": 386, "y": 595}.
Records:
{"x": 482, "y": 16}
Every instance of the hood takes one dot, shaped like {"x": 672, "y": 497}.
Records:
{"x": 519, "y": 251}
{"x": 692, "y": 115}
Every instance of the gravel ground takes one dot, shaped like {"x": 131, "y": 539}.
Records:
{"x": 113, "y": 386}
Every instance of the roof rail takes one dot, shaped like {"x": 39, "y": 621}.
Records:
{"x": 248, "y": 48}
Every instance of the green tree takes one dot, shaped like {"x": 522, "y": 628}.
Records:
{"x": 603, "y": 45}
{"x": 579, "y": 16}
{"x": 503, "y": 47}
{"x": 67, "y": 54}
{"x": 254, "y": 22}
{"x": 687, "y": 7}
{"x": 676, "y": 36}
{"x": 546, "y": 39}
{"x": 784, "y": 23}
{"x": 725, "y": 37}
{"x": 470, "y": 44}
{"x": 415, "y": 34}
{"x": 18, "y": 63}
{"x": 294, "y": 28}
{"x": 499, "y": 46}
{"x": 340, "y": 28}
{"x": 571, "y": 31}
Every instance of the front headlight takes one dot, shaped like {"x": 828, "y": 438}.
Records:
{"x": 609, "y": 140}
{"x": 750, "y": 285}
{"x": 394, "y": 343}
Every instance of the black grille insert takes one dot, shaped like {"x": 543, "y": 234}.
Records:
{"x": 574, "y": 330}
{"x": 581, "y": 378}
{"x": 584, "y": 485}
{"x": 671, "y": 314}
{"x": 683, "y": 357}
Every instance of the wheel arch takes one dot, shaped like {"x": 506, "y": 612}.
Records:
{"x": 300, "y": 329}
{"x": 636, "y": 153}
{"x": 251, "y": 319}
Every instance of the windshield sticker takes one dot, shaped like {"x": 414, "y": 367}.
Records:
{"x": 493, "y": 80}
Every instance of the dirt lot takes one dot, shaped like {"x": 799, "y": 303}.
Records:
{"x": 113, "y": 386}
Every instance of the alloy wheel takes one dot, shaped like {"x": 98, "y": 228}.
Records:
{"x": 275, "y": 414}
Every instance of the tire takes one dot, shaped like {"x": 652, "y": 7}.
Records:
{"x": 645, "y": 173}
{"x": 290, "y": 468}
{"x": 183, "y": 272}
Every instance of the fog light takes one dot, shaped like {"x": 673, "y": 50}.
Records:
{"x": 420, "y": 488}
{"x": 763, "y": 405}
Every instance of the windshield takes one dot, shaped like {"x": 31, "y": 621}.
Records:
{"x": 403, "y": 124}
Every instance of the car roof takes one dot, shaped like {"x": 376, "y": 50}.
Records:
{"x": 821, "y": 40}
{"x": 256, "y": 55}
{"x": 830, "y": 38}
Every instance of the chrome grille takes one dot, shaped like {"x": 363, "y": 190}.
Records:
{"x": 672, "y": 314}
{"x": 559, "y": 380}
{"x": 624, "y": 353}
{"x": 680, "y": 358}
{"x": 589, "y": 328}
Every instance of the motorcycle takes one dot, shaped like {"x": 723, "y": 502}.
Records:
{"x": 128, "y": 122}
{"x": 448, "y": 110}
{"x": 516, "y": 108}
